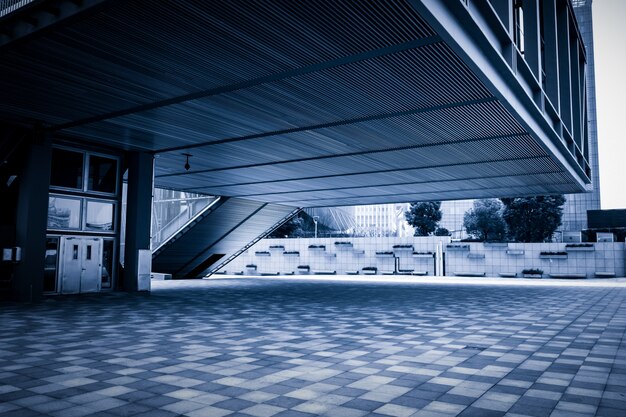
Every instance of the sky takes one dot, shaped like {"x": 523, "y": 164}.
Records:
{"x": 609, "y": 27}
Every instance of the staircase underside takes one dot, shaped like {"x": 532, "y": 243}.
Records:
{"x": 228, "y": 227}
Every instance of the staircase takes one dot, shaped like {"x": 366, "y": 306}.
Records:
{"x": 217, "y": 235}
{"x": 254, "y": 241}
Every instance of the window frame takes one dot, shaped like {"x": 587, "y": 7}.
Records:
{"x": 86, "y": 166}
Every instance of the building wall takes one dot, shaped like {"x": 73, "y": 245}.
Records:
{"x": 477, "y": 258}
{"x": 452, "y": 213}
{"x": 575, "y": 209}
{"x": 382, "y": 220}
{"x": 576, "y": 206}
{"x": 389, "y": 220}
{"x": 515, "y": 257}
{"x": 340, "y": 259}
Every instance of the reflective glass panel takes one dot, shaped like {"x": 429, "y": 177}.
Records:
{"x": 50, "y": 268}
{"x": 63, "y": 213}
{"x": 99, "y": 216}
{"x": 102, "y": 174}
{"x": 67, "y": 169}
{"x": 107, "y": 263}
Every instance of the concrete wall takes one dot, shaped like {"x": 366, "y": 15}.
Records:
{"x": 603, "y": 257}
{"x": 338, "y": 258}
{"x": 489, "y": 259}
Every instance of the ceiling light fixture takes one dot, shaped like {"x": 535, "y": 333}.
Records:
{"x": 187, "y": 166}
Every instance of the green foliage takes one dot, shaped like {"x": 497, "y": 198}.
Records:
{"x": 533, "y": 219}
{"x": 442, "y": 231}
{"x": 424, "y": 217}
{"x": 300, "y": 225}
{"x": 484, "y": 221}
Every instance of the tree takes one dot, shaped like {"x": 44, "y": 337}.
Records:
{"x": 442, "y": 231}
{"x": 423, "y": 217}
{"x": 533, "y": 219}
{"x": 484, "y": 221}
{"x": 291, "y": 228}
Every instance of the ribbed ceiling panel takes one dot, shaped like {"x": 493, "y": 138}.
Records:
{"x": 477, "y": 193}
{"x": 442, "y": 155}
{"x": 452, "y": 124}
{"x": 223, "y": 184}
{"x": 303, "y": 102}
{"x": 141, "y": 51}
{"x": 427, "y": 187}
{"x": 419, "y": 78}
{"x": 329, "y": 198}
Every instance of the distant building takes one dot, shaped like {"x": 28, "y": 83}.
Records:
{"x": 381, "y": 220}
{"x": 389, "y": 220}
{"x": 452, "y": 213}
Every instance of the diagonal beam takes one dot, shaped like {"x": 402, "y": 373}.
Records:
{"x": 417, "y": 43}
{"x": 218, "y": 240}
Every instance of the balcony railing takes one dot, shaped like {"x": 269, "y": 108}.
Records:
{"x": 163, "y": 226}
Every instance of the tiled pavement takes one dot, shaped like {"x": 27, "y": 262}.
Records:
{"x": 278, "y": 348}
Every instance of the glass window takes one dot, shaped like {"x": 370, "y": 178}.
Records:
{"x": 67, "y": 169}
{"x": 518, "y": 12}
{"x": 50, "y": 268}
{"x": 99, "y": 216}
{"x": 102, "y": 174}
{"x": 63, "y": 213}
{"x": 107, "y": 263}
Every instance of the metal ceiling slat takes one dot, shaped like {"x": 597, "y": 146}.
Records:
{"x": 145, "y": 72}
{"x": 328, "y": 174}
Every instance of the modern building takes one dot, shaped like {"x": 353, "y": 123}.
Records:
{"x": 577, "y": 205}
{"x": 381, "y": 220}
{"x": 270, "y": 107}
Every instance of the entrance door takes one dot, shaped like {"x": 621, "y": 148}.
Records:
{"x": 80, "y": 264}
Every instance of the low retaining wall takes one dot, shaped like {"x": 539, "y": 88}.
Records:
{"x": 415, "y": 256}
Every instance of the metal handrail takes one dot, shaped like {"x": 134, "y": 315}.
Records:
{"x": 180, "y": 220}
{"x": 254, "y": 241}
{"x": 186, "y": 224}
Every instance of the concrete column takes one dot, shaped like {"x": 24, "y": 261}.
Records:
{"x": 439, "y": 260}
{"x": 32, "y": 219}
{"x": 138, "y": 214}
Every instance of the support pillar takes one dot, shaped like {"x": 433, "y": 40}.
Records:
{"x": 32, "y": 220}
{"x": 138, "y": 215}
{"x": 439, "y": 260}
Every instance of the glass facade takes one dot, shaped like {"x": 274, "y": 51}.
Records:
{"x": 102, "y": 174}
{"x": 575, "y": 209}
{"x": 67, "y": 169}
{"x": 83, "y": 205}
{"x": 100, "y": 215}
{"x": 64, "y": 213}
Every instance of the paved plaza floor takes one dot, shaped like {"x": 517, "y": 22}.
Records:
{"x": 268, "y": 347}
